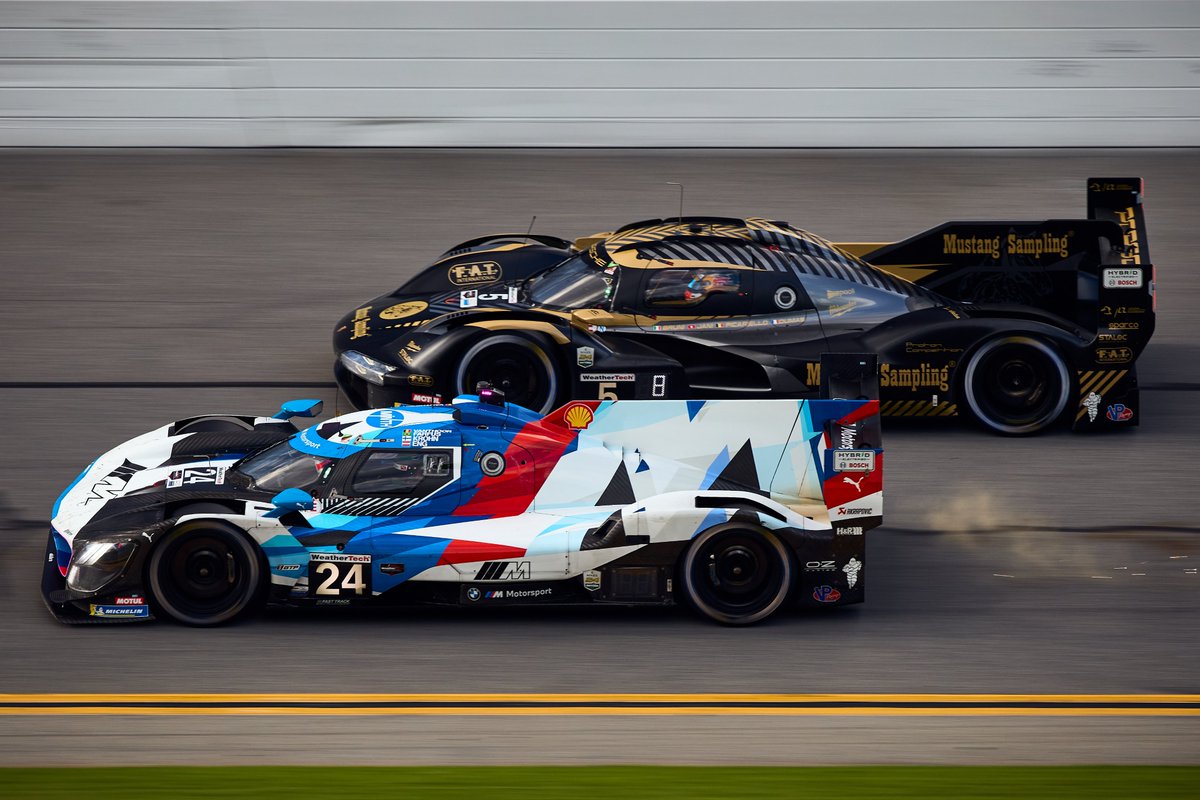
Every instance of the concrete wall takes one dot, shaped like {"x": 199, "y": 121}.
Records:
{"x": 805, "y": 73}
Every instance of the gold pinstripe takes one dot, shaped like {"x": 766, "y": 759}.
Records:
{"x": 917, "y": 408}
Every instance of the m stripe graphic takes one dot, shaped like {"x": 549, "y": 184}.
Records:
{"x": 503, "y": 570}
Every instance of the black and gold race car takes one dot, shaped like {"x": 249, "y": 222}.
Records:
{"x": 1015, "y": 324}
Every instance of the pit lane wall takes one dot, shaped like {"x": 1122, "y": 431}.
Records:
{"x": 806, "y": 73}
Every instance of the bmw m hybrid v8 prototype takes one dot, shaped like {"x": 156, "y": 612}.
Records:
{"x": 736, "y": 508}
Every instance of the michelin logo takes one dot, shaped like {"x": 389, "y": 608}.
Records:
{"x": 118, "y": 611}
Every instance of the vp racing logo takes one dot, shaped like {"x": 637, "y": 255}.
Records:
{"x": 114, "y": 482}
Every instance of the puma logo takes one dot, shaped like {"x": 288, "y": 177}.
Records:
{"x": 857, "y": 484}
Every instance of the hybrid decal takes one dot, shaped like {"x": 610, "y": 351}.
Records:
{"x": 1118, "y": 278}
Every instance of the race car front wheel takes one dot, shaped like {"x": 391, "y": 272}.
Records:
{"x": 205, "y": 573}
{"x": 1016, "y": 385}
{"x": 517, "y": 365}
{"x": 736, "y": 574}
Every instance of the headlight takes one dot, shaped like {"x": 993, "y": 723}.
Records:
{"x": 365, "y": 367}
{"x": 96, "y": 564}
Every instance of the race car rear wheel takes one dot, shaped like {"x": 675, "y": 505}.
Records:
{"x": 517, "y": 365}
{"x": 205, "y": 573}
{"x": 1016, "y": 385}
{"x": 736, "y": 574}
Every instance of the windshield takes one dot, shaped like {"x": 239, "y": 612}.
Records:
{"x": 281, "y": 467}
{"x": 582, "y": 281}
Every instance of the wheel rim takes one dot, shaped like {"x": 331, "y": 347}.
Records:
{"x": 737, "y": 575}
{"x": 204, "y": 576}
{"x": 1017, "y": 385}
{"x": 516, "y": 366}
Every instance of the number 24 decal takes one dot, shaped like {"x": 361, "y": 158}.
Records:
{"x": 352, "y": 581}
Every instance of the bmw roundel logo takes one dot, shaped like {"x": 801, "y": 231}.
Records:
{"x": 472, "y": 594}
{"x": 785, "y": 297}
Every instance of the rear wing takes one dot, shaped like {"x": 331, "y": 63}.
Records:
{"x": 1095, "y": 273}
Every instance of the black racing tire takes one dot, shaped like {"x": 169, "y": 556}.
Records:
{"x": 213, "y": 425}
{"x": 205, "y": 573}
{"x": 736, "y": 574}
{"x": 1016, "y": 385}
{"x": 518, "y": 365}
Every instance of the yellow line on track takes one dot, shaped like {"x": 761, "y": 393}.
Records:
{"x": 591, "y": 711}
{"x": 343, "y": 697}
{"x": 342, "y": 704}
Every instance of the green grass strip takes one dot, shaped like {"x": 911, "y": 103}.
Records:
{"x": 586, "y": 783}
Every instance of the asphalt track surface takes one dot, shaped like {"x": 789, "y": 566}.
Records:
{"x": 141, "y": 287}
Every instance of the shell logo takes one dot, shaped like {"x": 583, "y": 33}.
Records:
{"x": 578, "y": 417}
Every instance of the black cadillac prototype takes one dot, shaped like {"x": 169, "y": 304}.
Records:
{"x": 1017, "y": 325}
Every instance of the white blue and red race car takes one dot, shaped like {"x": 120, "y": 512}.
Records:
{"x": 734, "y": 507}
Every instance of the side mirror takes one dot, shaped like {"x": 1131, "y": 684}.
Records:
{"x": 594, "y": 317}
{"x": 299, "y": 408}
{"x": 290, "y": 500}
{"x": 489, "y": 395}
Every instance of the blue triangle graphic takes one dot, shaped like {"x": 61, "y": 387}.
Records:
{"x": 694, "y": 407}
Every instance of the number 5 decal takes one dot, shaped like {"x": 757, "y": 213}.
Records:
{"x": 608, "y": 390}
